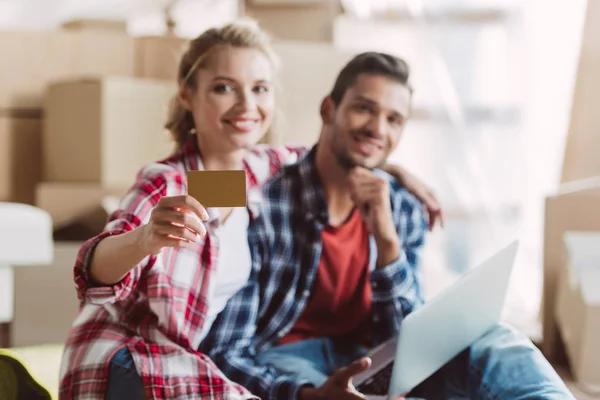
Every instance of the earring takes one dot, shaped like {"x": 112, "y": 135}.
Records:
{"x": 193, "y": 131}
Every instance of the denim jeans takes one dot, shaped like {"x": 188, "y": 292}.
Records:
{"x": 124, "y": 382}
{"x": 501, "y": 365}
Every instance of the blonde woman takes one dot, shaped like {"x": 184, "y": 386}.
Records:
{"x": 152, "y": 283}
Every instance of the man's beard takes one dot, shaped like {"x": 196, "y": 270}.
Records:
{"x": 344, "y": 159}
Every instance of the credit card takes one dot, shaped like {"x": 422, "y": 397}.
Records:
{"x": 218, "y": 188}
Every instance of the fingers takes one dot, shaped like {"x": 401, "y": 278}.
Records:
{"x": 442, "y": 217}
{"x": 360, "y": 175}
{"x": 366, "y": 187}
{"x": 351, "y": 395}
{"x": 366, "y": 196}
{"x": 433, "y": 208}
{"x": 433, "y": 217}
{"x": 343, "y": 377}
{"x": 176, "y": 232}
{"x": 178, "y": 218}
{"x": 166, "y": 241}
{"x": 184, "y": 202}
{"x": 175, "y": 222}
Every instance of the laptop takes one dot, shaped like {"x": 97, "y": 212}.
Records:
{"x": 440, "y": 329}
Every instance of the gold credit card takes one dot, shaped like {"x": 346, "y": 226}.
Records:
{"x": 218, "y": 188}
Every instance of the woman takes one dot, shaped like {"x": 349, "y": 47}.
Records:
{"x": 154, "y": 280}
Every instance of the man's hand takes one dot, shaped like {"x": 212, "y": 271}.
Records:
{"x": 371, "y": 194}
{"x": 339, "y": 385}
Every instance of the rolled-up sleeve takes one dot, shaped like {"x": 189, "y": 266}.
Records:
{"x": 396, "y": 286}
{"x": 154, "y": 182}
{"x": 90, "y": 291}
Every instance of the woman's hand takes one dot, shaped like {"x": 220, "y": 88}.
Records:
{"x": 427, "y": 196}
{"x": 421, "y": 191}
{"x": 174, "y": 222}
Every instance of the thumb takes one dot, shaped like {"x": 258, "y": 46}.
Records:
{"x": 344, "y": 376}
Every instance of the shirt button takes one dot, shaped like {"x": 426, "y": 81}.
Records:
{"x": 306, "y": 293}
{"x": 374, "y": 285}
{"x": 376, "y": 318}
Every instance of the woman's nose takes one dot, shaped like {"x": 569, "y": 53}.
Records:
{"x": 247, "y": 101}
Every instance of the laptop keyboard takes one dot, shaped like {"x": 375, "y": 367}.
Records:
{"x": 379, "y": 383}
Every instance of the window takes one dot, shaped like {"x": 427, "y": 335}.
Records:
{"x": 493, "y": 83}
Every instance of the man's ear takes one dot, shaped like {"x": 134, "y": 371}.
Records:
{"x": 327, "y": 111}
{"x": 184, "y": 97}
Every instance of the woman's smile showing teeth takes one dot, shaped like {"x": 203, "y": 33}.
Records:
{"x": 243, "y": 125}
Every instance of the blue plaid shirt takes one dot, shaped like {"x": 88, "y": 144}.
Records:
{"x": 286, "y": 246}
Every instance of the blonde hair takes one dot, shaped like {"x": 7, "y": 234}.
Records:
{"x": 244, "y": 33}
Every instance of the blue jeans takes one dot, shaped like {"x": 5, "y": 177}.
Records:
{"x": 501, "y": 365}
{"x": 124, "y": 382}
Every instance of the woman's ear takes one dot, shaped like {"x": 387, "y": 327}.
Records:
{"x": 327, "y": 111}
{"x": 185, "y": 97}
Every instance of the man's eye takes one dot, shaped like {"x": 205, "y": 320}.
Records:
{"x": 395, "y": 120}
{"x": 362, "y": 108}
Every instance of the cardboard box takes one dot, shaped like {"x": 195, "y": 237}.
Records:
{"x": 101, "y": 25}
{"x": 69, "y": 202}
{"x": 158, "y": 57}
{"x": 20, "y": 156}
{"x": 578, "y": 307}
{"x": 104, "y": 130}
{"x": 45, "y": 299}
{"x": 574, "y": 207}
{"x": 311, "y": 21}
{"x": 304, "y": 85}
{"x": 40, "y": 57}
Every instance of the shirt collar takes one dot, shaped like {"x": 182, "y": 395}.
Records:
{"x": 313, "y": 202}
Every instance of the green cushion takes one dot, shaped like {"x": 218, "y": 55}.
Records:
{"x": 17, "y": 381}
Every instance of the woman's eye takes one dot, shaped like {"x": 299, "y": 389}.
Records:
{"x": 261, "y": 89}
{"x": 223, "y": 88}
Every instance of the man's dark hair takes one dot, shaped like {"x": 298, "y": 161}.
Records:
{"x": 372, "y": 63}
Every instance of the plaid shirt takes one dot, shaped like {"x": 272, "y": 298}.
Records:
{"x": 286, "y": 246}
{"x": 158, "y": 310}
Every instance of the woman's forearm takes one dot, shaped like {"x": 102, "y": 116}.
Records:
{"x": 115, "y": 256}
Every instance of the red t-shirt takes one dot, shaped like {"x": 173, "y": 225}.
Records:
{"x": 340, "y": 302}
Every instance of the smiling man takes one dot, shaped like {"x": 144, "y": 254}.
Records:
{"x": 336, "y": 265}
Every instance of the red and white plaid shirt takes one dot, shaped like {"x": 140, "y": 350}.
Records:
{"x": 158, "y": 310}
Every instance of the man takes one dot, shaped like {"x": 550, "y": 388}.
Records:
{"x": 336, "y": 266}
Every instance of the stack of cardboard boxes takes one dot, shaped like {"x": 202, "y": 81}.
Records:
{"x": 305, "y": 20}
{"x": 98, "y": 132}
{"x": 571, "y": 307}
{"x": 81, "y": 111}
{"x": 578, "y": 307}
